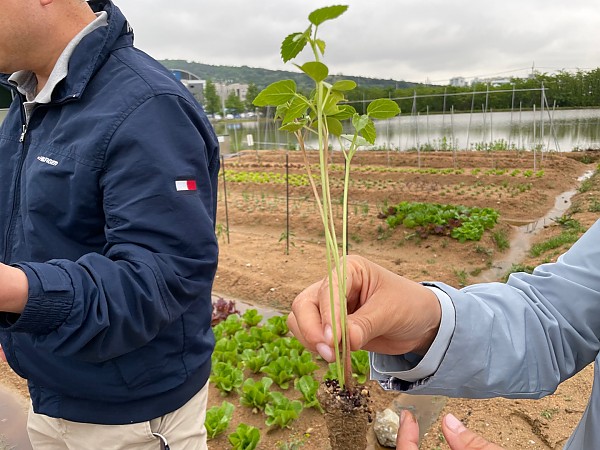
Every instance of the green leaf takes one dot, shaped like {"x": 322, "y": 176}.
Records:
{"x": 369, "y": 132}
{"x": 293, "y": 126}
{"x": 344, "y": 85}
{"x": 321, "y": 45}
{"x": 318, "y": 16}
{"x": 281, "y": 411}
{"x": 251, "y": 317}
{"x": 334, "y": 126}
{"x": 280, "y": 111}
{"x": 277, "y": 325}
{"x": 345, "y": 112}
{"x": 383, "y": 108}
{"x": 255, "y": 394}
{"x": 292, "y": 45}
{"x": 316, "y": 70}
{"x": 296, "y": 109}
{"x": 245, "y": 437}
{"x": 331, "y": 108}
{"x": 359, "y": 141}
{"x": 360, "y": 365}
{"x": 359, "y": 122}
{"x": 218, "y": 418}
{"x": 276, "y": 93}
{"x": 308, "y": 387}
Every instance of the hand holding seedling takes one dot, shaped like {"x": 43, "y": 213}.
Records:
{"x": 387, "y": 313}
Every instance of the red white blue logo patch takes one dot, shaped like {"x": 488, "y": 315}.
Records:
{"x": 186, "y": 185}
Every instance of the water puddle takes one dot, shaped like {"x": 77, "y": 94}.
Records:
{"x": 520, "y": 242}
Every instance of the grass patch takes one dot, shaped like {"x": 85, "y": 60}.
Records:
{"x": 566, "y": 237}
{"x": 501, "y": 240}
{"x": 568, "y": 223}
{"x": 594, "y": 206}
{"x": 585, "y": 185}
{"x": 518, "y": 268}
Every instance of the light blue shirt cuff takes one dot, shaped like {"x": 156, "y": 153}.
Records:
{"x": 411, "y": 367}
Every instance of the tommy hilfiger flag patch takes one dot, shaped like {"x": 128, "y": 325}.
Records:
{"x": 185, "y": 185}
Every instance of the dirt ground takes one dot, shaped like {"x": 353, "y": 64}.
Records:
{"x": 258, "y": 265}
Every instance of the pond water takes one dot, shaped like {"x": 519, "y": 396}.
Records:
{"x": 559, "y": 130}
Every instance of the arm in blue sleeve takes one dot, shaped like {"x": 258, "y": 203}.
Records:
{"x": 522, "y": 338}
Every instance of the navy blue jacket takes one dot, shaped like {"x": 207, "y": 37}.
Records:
{"x": 120, "y": 262}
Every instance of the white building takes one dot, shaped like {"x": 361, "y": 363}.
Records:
{"x": 458, "y": 82}
{"x": 194, "y": 84}
{"x": 224, "y": 90}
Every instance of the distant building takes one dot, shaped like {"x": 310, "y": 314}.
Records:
{"x": 224, "y": 90}
{"x": 494, "y": 81}
{"x": 193, "y": 82}
{"x": 458, "y": 82}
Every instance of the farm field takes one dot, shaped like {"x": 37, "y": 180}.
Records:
{"x": 258, "y": 266}
{"x": 254, "y": 266}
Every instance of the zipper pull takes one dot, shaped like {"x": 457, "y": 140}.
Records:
{"x": 23, "y": 133}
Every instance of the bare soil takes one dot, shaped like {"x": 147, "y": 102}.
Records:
{"x": 256, "y": 265}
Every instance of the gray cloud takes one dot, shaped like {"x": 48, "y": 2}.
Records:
{"x": 414, "y": 40}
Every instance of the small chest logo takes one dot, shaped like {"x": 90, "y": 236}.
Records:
{"x": 47, "y": 160}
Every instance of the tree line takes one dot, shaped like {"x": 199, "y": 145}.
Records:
{"x": 563, "y": 89}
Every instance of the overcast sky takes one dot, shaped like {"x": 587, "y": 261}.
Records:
{"x": 412, "y": 40}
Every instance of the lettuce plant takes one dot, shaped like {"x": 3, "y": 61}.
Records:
{"x": 322, "y": 114}
{"x": 218, "y": 418}
{"x": 245, "y": 437}
{"x": 281, "y": 371}
{"x": 281, "y": 411}
{"x": 226, "y": 377}
{"x": 255, "y": 394}
{"x": 308, "y": 387}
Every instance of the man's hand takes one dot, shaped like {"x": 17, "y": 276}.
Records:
{"x": 457, "y": 435}
{"x": 386, "y": 312}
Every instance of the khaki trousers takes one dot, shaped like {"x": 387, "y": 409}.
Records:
{"x": 183, "y": 429}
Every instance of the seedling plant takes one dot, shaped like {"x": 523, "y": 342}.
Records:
{"x": 322, "y": 114}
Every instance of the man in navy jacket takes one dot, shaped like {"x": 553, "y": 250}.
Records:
{"x": 108, "y": 175}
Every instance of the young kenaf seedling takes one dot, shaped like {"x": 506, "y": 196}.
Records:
{"x": 322, "y": 115}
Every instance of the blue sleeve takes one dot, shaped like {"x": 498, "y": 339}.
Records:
{"x": 160, "y": 255}
{"x": 523, "y": 338}
{"x": 388, "y": 368}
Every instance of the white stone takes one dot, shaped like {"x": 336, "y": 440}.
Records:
{"x": 386, "y": 427}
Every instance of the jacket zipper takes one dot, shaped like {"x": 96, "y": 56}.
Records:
{"x": 23, "y": 133}
{"x": 17, "y": 196}
{"x": 17, "y": 187}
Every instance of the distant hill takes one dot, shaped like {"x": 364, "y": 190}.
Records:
{"x": 263, "y": 77}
